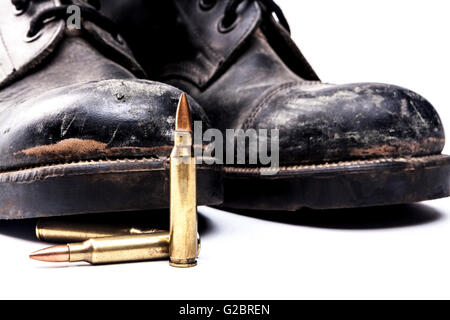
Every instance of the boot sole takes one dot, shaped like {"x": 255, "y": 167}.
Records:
{"x": 340, "y": 185}
{"x": 97, "y": 186}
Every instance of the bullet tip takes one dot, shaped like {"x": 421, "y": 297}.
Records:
{"x": 183, "y": 119}
{"x": 52, "y": 254}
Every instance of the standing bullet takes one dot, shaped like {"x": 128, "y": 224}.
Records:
{"x": 110, "y": 249}
{"x": 183, "y": 247}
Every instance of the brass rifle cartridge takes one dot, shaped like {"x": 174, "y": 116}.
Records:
{"x": 110, "y": 249}
{"x": 183, "y": 194}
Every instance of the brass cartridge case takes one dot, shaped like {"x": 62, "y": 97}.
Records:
{"x": 183, "y": 206}
{"x": 183, "y": 193}
{"x": 122, "y": 248}
{"x": 66, "y": 231}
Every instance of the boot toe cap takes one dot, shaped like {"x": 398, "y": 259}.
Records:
{"x": 357, "y": 121}
{"x": 96, "y": 120}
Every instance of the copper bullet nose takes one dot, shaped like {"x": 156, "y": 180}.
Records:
{"x": 183, "y": 118}
{"x": 52, "y": 254}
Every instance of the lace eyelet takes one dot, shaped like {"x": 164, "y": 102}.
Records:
{"x": 227, "y": 28}
{"x": 18, "y": 12}
{"x": 28, "y": 39}
{"x": 207, "y": 5}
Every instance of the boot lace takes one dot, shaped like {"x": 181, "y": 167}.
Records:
{"x": 61, "y": 12}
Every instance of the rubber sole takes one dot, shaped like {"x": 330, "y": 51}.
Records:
{"x": 97, "y": 186}
{"x": 340, "y": 185}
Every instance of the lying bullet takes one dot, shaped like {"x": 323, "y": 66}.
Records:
{"x": 69, "y": 231}
{"x": 110, "y": 249}
{"x": 183, "y": 194}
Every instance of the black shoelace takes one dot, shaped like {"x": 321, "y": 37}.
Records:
{"x": 231, "y": 15}
{"x": 60, "y": 12}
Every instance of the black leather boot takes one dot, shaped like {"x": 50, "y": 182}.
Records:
{"x": 351, "y": 145}
{"x": 78, "y": 132}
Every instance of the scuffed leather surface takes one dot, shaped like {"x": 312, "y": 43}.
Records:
{"x": 266, "y": 83}
{"x": 74, "y": 61}
{"x": 355, "y": 121}
{"x": 104, "y": 119}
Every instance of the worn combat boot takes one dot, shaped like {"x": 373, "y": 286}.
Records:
{"x": 340, "y": 146}
{"x": 78, "y": 132}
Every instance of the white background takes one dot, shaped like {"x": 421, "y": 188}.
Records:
{"x": 368, "y": 253}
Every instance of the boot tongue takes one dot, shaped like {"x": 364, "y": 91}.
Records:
{"x": 20, "y": 54}
{"x": 212, "y": 45}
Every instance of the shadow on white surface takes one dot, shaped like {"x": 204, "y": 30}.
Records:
{"x": 399, "y": 216}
